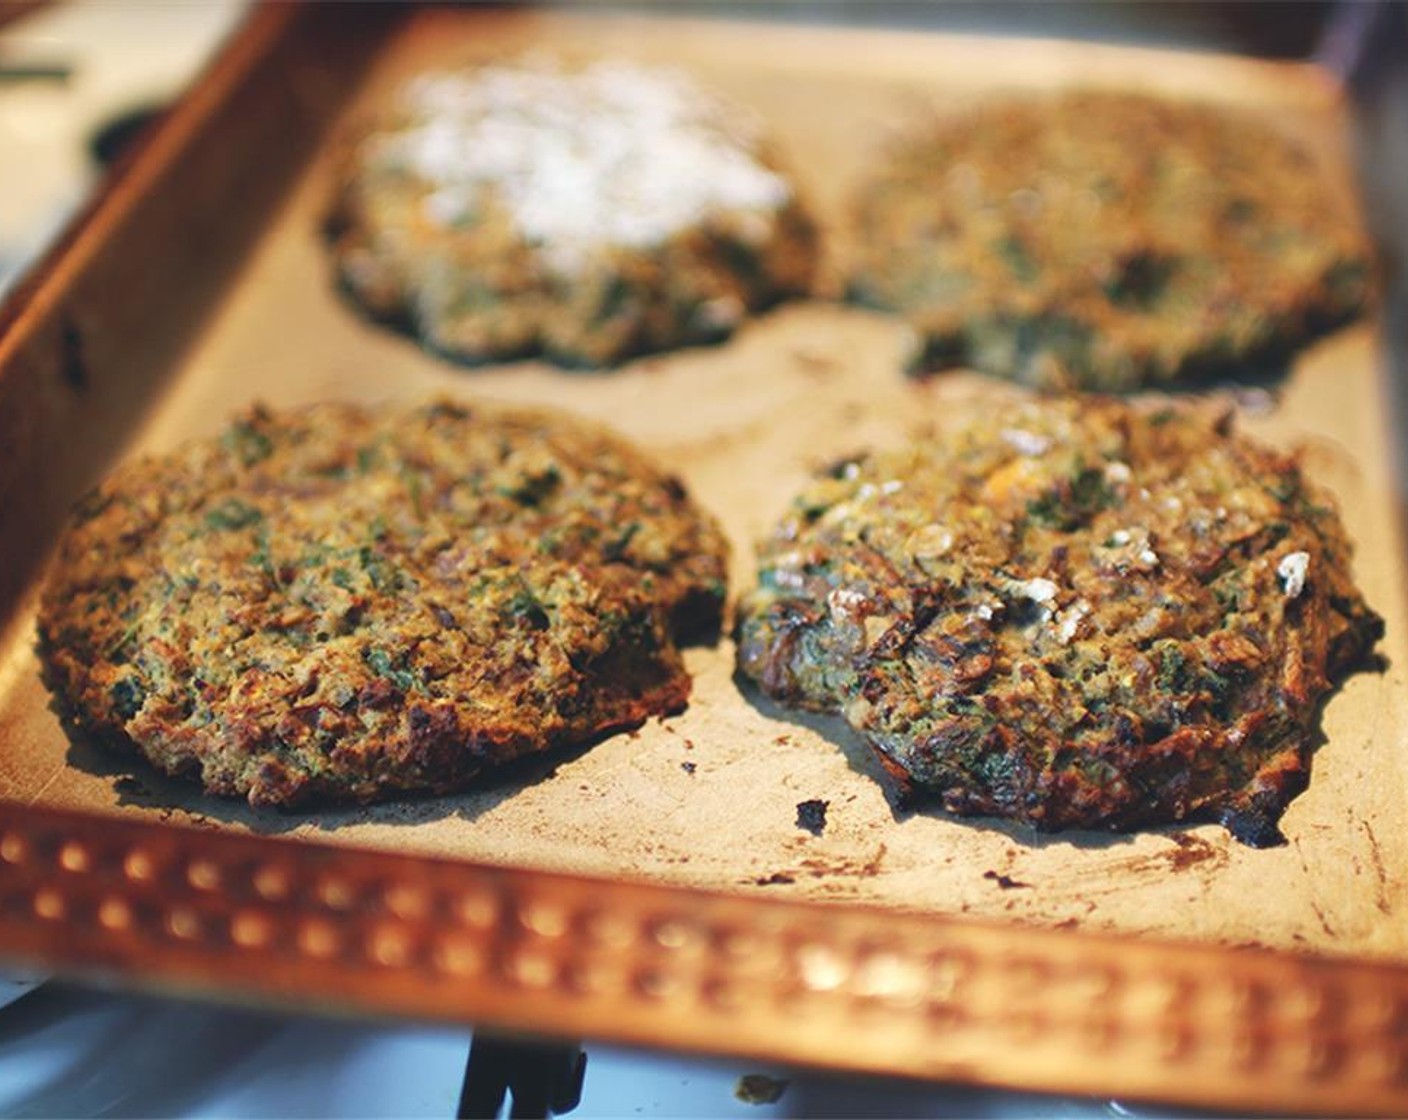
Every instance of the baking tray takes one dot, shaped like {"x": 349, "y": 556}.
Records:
{"x": 617, "y": 893}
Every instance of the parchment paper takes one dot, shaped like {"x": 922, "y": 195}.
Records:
{"x": 709, "y": 797}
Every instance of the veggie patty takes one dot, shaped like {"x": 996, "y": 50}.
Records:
{"x": 585, "y": 214}
{"x": 340, "y": 603}
{"x": 1105, "y": 241}
{"x": 1080, "y": 614}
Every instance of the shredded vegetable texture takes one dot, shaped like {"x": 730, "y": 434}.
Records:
{"x": 339, "y": 603}
{"x": 1081, "y": 614}
{"x": 1107, "y": 241}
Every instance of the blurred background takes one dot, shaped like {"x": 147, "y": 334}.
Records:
{"x": 78, "y": 78}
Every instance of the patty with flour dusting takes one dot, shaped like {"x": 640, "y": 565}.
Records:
{"x": 585, "y": 213}
{"x": 1078, "y": 614}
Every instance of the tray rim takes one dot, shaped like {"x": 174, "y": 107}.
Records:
{"x": 840, "y": 985}
{"x": 308, "y": 925}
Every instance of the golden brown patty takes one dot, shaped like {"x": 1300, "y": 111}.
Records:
{"x": 340, "y": 603}
{"x": 586, "y": 214}
{"x": 1105, "y": 241}
{"x": 1082, "y": 614}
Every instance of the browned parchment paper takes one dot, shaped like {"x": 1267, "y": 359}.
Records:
{"x": 743, "y": 423}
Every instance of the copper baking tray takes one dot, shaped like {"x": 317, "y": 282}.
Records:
{"x": 617, "y": 893}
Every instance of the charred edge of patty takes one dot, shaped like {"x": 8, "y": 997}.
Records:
{"x": 796, "y": 233}
{"x": 991, "y": 776}
{"x": 434, "y": 749}
{"x": 1171, "y": 795}
{"x": 697, "y": 619}
{"x": 451, "y": 759}
{"x": 460, "y": 762}
{"x": 1213, "y": 362}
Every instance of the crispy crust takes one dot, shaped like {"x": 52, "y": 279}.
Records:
{"x": 1084, "y": 614}
{"x": 342, "y": 604}
{"x": 1108, "y": 242}
{"x": 478, "y": 290}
